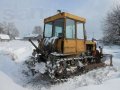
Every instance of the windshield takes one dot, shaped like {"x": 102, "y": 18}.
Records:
{"x": 58, "y": 28}
{"x": 70, "y": 28}
{"x": 54, "y": 29}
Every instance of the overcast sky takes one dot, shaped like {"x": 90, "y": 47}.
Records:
{"x": 28, "y": 13}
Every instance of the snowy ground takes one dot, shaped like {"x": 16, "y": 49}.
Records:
{"x": 13, "y": 74}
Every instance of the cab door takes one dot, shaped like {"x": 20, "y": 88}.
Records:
{"x": 80, "y": 38}
{"x": 70, "y": 40}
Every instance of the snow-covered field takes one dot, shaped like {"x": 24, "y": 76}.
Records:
{"x": 13, "y": 75}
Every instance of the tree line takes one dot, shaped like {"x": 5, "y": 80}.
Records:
{"x": 111, "y": 26}
{"x": 10, "y": 29}
{"x": 38, "y": 30}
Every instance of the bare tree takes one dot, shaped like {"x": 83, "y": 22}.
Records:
{"x": 10, "y": 29}
{"x": 1, "y": 28}
{"x": 111, "y": 26}
{"x": 37, "y": 30}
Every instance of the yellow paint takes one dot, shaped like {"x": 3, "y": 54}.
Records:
{"x": 64, "y": 15}
{"x": 59, "y": 45}
{"x": 74, "y": 46}
{"x": 90, "y": 42}
{"x": 81, "y": 47}
{"x": 69, "y": 46}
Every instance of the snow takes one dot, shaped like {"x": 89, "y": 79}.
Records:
{"x": 32, "y": 35}
{"x": 18, "y": 50}
{"x": 13, "y": 75}
{"x": 115, "y": 51}
{"x": 108, "y": 85}
{"x": 12, "y": 55}
{"x": 4, "y": 36}
{"x": 39, "y": 69}
{"x": 50, "y": 40}
{"x": 18, "y": 38}
{"x": 8, "y": 84}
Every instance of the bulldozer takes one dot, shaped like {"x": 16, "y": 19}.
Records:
{"x": 65, "y": 49}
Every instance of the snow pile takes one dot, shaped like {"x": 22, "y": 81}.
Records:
{"x": 18, "y": 50}
{"x": 4, "y": 36}
{"x": 6, "y": 83}
{"x": 115, "y": 51}
{"x": 10, "y": 74}
{"x": 108, "y": 85}
{"x": 12, "y": 55}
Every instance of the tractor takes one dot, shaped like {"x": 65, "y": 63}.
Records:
{"x": 65, "y": 49}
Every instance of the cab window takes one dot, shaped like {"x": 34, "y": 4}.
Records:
{"x": 80, "y": 34}
{"x": 70, "y": 28}
{"x": 48, "y": 30}
{"x": 58, "y": 27}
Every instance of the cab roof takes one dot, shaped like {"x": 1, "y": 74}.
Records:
{"x": 64, "y": 15}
